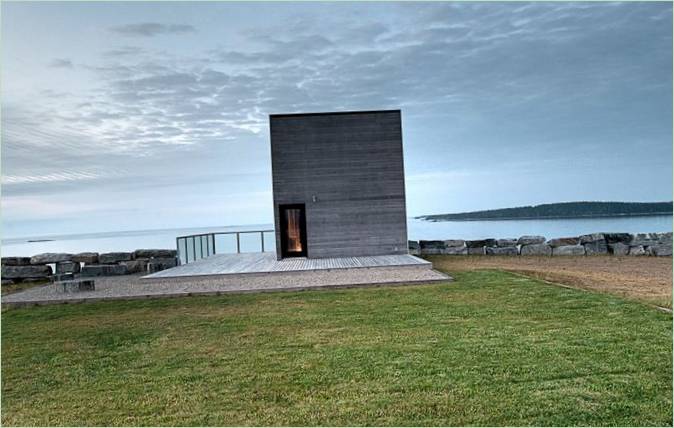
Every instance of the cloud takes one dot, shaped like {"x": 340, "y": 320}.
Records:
{"x": 123, "y": 51}
{"x": 493, "y": 80}
{"x": 150, "y": 29}
{"x": 61, "y": 63}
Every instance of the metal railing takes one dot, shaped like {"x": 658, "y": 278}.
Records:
{"x": 194, "y": 247}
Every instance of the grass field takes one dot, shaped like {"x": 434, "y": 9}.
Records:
{"x": 490, "y": 348}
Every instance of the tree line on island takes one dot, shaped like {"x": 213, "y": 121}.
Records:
{"x": 560, "y": 210}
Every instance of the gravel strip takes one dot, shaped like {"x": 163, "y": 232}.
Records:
{"x": 131, "y": 286}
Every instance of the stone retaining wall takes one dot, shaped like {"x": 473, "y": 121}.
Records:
{"x": 623, "y": 244}
{"x": 57, "y": 266}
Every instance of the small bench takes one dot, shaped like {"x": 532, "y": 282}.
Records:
{"x": 75, "y": 286}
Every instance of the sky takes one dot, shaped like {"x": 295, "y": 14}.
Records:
{"x": 129, "y": 116}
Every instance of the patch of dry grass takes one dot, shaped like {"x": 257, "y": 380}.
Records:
{"x": 647, "y": 279}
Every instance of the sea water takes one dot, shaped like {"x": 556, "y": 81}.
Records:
{"x": 417, "y": 229}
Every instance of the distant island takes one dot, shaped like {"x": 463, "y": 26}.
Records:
{"x": 560, "y": 210}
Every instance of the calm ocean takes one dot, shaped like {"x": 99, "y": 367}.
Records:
{"x": 417, "y": 229}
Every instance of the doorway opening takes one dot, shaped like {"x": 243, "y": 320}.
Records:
{"x": 293, "y": 230}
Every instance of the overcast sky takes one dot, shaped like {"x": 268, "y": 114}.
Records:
{"x": 119, "y": 116}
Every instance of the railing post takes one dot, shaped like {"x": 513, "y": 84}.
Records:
{"x": 238, "y": 244}
{"x": 262, "y": 240}
{"x": 194, "y": 247}
{"x": 213, "y": 236}
{"x": 178, "y": 249}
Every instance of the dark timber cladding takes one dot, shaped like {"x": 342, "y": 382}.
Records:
{"x": 340, "y": 176}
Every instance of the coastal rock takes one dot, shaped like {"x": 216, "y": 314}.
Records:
{"x": 479, "y": 243}
{"x": 103, "y": 270}
{"x": 431, "y": 247}
{"x": 637, "y": 250}
{"x": 660, "y": 250}
{"x": 44, "y": 258}
{"x": 67, "y": 267}
{"x": 62, "y": 277}
{"x": 112, "y": 258}
{"x": 502, "y": 251}
{"x": 531, "y": 240}
{"x": 148, "y": 254}
{"x": 455, "y": 243}
{"x": 536, "y": 250}
{"x": 645, "y": 239}
{"x": 506, "y": 242}
{"x": 135, "y": 266}
{"x": 665, "y": 238}
{"x": 596, "y": 247}
{"x": 619, "y": 249}
{"x": 613, "y": 238}
{"x": 24, "y": 272}
{"x": 89, "y": 258}
{"x": 563, "y": 242}
{"x": 413, "y": 247}
{"x": 456, "y": 251}
{"x": 157, "y": 264}
{"x": 7, "y": 282}
{"x": 475, "y": 250}
{"x": 568, "y": 250}
{"x": 592, "y": 237}
{"x": 16, "y": 261}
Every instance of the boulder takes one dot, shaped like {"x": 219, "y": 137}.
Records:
{"x": 530, "y": 240}
{"x": 660, "y": 250}
{"x": 23, "y": 272}
{"x": 455, "y": 243}
{"x": 6, "y": 282}
{"x": 536, "y": 250}
{"x": 568, "y": 250}
{"x": 431, "y": 247}
{"x": 157, "y": 264}
{"x": 619, "y": 249}
{"x": 455, "y": 251}
{"x": 563, "y": 242}
{"x": 502, "y": 251}
{"x": 44, "y": 258}
{"x": 481, "y": 243}
{"x": 103, "y": 270}
{"x": 15, "y": 261}
{"x": 645, "y": 239}
{"x": 506, "y": 242}
{"x": 67, "y": 267}
{"x": 75, "y": 286}
{"x": 592, "y": 237}
{"x": 596, "y": 247}
{"x": 62, "y": 277}
{"x": 135, "y": 266}
{"x": 149, "y": 254}
{"x": 112, "y": 258}
{"x": 475, "y": 250}
{"x": 637, "y": 250}
{"x": 665, "y": 238}
{"x": 89, "y": 258}
{"x": 413, "y": 247}
{"x": 613, "y": 238}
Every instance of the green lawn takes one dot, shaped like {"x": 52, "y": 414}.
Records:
{"x": 490, "y": 348}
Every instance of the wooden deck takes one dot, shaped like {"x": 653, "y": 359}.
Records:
{"x": 246, "y": 263}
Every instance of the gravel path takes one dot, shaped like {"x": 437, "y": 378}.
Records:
{"x": 132, "y": 286}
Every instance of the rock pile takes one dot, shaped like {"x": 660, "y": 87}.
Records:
{"x": 619, "y": 244}
{"x": 62, "y": 266}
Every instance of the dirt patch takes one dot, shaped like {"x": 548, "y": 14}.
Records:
{"x": 648, "y": 279}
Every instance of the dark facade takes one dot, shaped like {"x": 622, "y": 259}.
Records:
{"x": 339, "y": 184}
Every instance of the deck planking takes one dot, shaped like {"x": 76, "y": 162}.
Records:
{"x": 232, "y": 264}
